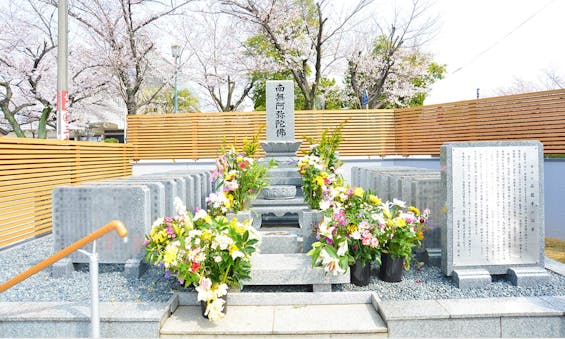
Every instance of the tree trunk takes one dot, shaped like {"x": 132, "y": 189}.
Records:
{"x": 13, "y": 122}
{"x": 41, "y": 129}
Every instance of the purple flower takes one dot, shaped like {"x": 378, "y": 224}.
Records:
{"x": 329, "y": 241}
{"x": 167, "y": 274}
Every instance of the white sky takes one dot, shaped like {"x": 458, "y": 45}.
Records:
{"x": 468, "y": 28}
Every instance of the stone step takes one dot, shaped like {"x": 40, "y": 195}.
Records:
{"x": 288, "y": 315}
{"x": 278, "y": 239}
{"x": 292, "y": 269}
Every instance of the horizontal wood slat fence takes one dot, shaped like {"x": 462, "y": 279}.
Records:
{"x": 530, "y": 116}
{"x": 31, "y": 168}
{"x": 410, "y": 131}
{"x": 200, "y": 135}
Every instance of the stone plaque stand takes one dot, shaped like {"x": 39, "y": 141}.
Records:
{"x": 495, "y": 212}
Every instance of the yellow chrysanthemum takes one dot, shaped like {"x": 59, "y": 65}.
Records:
{"x": 319, "y": 180}
{"x": 358, "y": 192}
{"x": 414, "y": 210}
{"x": 400, "y": 222}
{"x": 351, "y": 228}
{"x": 374, "y": 200}
{"x": 205, "y": 236}
{"x": 170, "y": 255}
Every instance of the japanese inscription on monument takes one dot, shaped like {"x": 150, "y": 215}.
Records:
{"x": 280, "y": 110}
{"x": 495, "y": 204}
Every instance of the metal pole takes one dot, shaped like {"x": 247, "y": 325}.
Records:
{"x": 95, "y": 314}
{"x": 94, "y": 302}
{"x": 62, "y": 86}
{"x": 176, "y": 90}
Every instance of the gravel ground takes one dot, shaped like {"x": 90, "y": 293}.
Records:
{"x": 426, "y": 283}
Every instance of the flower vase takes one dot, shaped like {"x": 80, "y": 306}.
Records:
{"x": 360, "y": 275}
{"x": 391, "y": 268}
{"x": 309, "y": 221}
{"x": 203, "y": 306}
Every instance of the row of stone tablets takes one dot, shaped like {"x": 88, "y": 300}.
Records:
{"x": 137, "y": 201}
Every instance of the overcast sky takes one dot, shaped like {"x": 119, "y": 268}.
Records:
{"x": 486, "y": 43}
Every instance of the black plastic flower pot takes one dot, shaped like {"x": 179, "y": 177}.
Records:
{"x": 360, "y": 275}
{"x": 391, "y": 268}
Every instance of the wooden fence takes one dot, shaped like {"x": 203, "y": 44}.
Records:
{"x": 200, "y": 135}
{"x": 30, "y": 169}
{"x": 411, "y": 131}
{"x": 530, "y": 116}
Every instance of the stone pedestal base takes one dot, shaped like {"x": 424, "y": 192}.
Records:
{"x": 63, "y": 268}
{"x": 527, "y": 276}
{"x": 471, "y": 278}
{"x": 432, "y": 257}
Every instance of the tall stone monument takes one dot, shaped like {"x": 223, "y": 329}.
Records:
{"x": 280, "y": 202}
{"x": 495, "y": 212}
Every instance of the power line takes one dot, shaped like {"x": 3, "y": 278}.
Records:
{"x": 504, "y": 37}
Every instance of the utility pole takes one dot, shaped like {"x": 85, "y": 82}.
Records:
{"x": 62, "y": 85}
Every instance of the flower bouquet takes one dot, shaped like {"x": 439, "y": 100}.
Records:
{"x": 403, "y": 229}
{"x": 211, "y": 253}
{"x": 349, "y": 233}
{"x": 320, "y": 167}
{"x": 239, "y": 178}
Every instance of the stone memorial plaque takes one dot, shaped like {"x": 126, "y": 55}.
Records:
{"x": 495, "y": 214}
{"x": 280, "y": 110}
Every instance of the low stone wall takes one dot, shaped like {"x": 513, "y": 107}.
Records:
{"x": 137, "y": 201}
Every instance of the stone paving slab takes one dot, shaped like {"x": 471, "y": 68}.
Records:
{"x": 412, "y": 309}
{"x": 280, "y": 320}
{"x": 499, "y": 307}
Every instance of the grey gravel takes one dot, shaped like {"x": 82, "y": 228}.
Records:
{"x": 114, "y": 286}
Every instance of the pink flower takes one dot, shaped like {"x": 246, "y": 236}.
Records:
{"x": 366, "y": 241}
{"x": 339, "y": 216}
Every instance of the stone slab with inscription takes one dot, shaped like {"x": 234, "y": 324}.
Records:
{"x": 495, "y": 208}
{"x": 280, "y": 110}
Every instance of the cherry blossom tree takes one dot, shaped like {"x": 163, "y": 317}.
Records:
{"x": 125, "y": 33}
{"x": 218, "y": 62}
{"x": 300, "y": 37}
{"x": 391, "y": 69}
{"x": 28, "y": 69}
